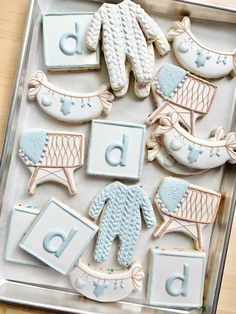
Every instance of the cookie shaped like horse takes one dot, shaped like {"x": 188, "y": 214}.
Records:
{"x": 106, "y": 285}
{"x": 198, "y": 58}
{"x": 193, "y": 152}
{"x": 68, "y": 106}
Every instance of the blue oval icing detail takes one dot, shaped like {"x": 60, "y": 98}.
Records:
{"x": 169, "y": 77}
{"x": 172, "y": 191}
{"x": 32, "y": 143}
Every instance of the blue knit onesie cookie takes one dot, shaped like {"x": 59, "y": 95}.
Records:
{"x": 121, "y": 218}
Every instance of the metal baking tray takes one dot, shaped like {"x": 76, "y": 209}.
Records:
{"x": 61, "y": 299}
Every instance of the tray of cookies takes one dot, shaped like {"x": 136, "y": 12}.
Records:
{"x": 117, "y": 174}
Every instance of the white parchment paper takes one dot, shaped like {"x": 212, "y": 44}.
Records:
{"x": 129, "y": 108}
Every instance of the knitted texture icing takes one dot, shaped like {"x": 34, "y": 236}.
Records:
{"x": 121, "y": 218}
{"x": 126, "y": 30}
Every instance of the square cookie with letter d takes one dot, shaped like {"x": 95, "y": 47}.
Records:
{"x": 116, "y": 149}
{"x": 58, "y": 236}
{"x": 176, "y": 278}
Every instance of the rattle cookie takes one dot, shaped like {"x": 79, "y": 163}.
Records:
{"x": 68, "y": 106}
{"x": 186, "y": 208}
{"x": 175, "y": 89}
{"x": 106, "y": 285}
{"x": 121, "y": 206}
{"x": 52, "y": 156}
{"x": 193, "y": 152}
{"x": 196, "y": 57}
{"x": 126, "y": 31}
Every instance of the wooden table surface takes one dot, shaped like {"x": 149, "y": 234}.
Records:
{"x": 12, "y": 19}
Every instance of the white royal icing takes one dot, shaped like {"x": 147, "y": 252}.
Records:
{"x": 106, "y": 285}
{"x": 68, "y": 106}
{"x": 198, "y": 58}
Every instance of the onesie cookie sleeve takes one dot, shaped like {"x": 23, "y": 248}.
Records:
{"x": 99, "y": 201}
{"x": 147, "y": 24}
{"x": 152, "y": 31}
{"x": 147, "y": 210}
{"x": 94, "y": 30}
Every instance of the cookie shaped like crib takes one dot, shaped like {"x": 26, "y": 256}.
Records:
{"x": 185, "y": 208}
{"x": 68, "y": 106}
{"x": 59, "y": 156}
{"x": 175, "y": 89}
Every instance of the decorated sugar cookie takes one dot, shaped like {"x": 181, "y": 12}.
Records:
{"x": 58, "y": 236}
{"x": 52, "y": 156}
{"x": 158, "y": 152}
{"x": 122, "y": 207}
{"x": 64, "y": 42}
{"x": 198, "y": 58}
{"x": 126, "y": 30}
{"x": 176, "y": 278}
{"x": 191, "y": 151}
{"x": 175, "y": 89}
{"x": 68, "y": 106}
{"x": 106, "y": 285}
{"x": 185, "y": 208}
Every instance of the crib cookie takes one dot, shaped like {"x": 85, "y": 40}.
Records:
{"x": 121, "y": 206}
{"x": 52, "y": 156}
{"x": 193, "y": 152}
{"x": 126, "y": 31}
{"x": 58, "y": 236}
{"x": 198, "y": 58}
{"x": 175, "y": 89}
{"x": 22, "y": 217}
{"x": 176, "y": 278}
{"x": 106, "y": 285}
{"x": 68, "y": 106}
{"x": 64, "y": 42}
{"x": 185, "y": 208}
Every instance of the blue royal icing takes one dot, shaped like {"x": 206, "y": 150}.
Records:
{"x": 202, "y": 57}
{"x": 67, "y": 103}
{"x": 99, "y": 288}
{"x": 169, "y": 78}
{"x": 32, "y": 144}
{"x": 78, "y": 42}
{"x": 171, "y": 192}
{"x": 194, "y": 153}
{"x": 123, "y": 148}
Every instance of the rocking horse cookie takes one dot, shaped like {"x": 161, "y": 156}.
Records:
{"x": 52, "y": 156}
{"x": 68, "y": 106}
{"x": 198, "y": 58}
{"x": 106, "y": 285}
{"x": 185, "y": 208}
{"x": 175, "y": 89}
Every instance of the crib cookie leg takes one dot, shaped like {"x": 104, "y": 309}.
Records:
{"x": 161, "y": 230}
{"x": 31, "y": 184}
{"x": 70, "y": 179}
{"x": 199, "y": 239}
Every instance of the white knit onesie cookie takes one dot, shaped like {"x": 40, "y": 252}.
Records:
{"x": 126, "y": 31}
